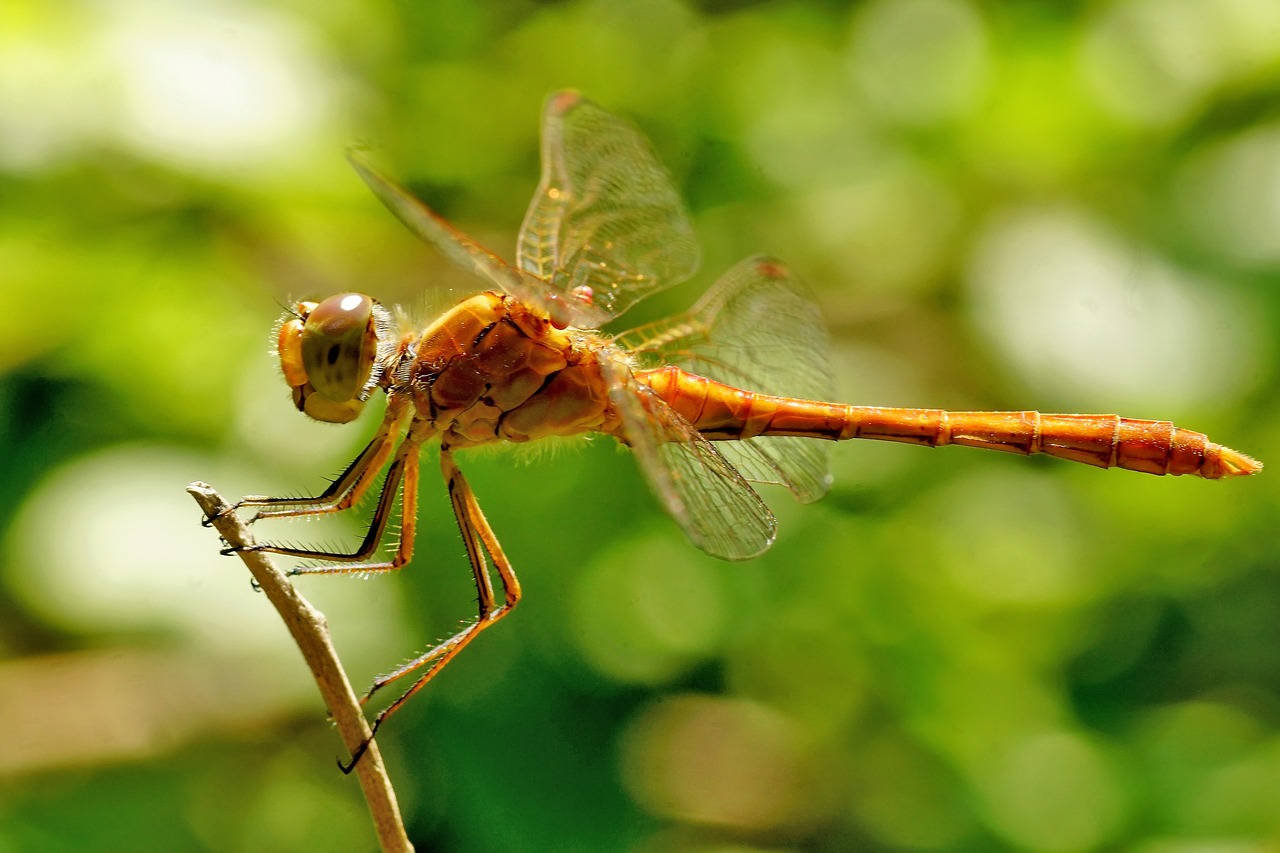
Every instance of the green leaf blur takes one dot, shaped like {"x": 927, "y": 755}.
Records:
{"x": 1000, "y": 205}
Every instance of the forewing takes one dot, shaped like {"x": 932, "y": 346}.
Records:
{"x": 701, "y": 490}
{"x": 461, "y": 250}
{"x": 757, "y": 329}
{"x": 606, "y": 215}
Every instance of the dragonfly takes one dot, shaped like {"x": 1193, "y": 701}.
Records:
{"x": 729, "y": 394}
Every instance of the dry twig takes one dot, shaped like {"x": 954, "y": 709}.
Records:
{"x": 310, "y": 632}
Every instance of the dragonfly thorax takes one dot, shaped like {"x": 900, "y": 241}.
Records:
{"x": 494, "y": 369}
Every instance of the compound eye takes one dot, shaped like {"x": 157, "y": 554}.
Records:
{"x": 339, "y": 344}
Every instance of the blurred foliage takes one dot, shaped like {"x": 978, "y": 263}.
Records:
{"x": 1067, "y": 206}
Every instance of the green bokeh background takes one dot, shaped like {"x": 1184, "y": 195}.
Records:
{"x": 1066, "y": 206}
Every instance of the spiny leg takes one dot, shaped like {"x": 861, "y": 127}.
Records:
{"x": 479, "y": 538}
{"x": 350, "y": 486}
{"x": 402, "y": 477}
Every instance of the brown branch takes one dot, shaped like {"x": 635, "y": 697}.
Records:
{"x": 311, "y": 633}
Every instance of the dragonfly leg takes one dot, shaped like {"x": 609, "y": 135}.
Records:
{"x": 402, "y": 478}
{"x": 350, "y": 486}
{"x": 479, "y": 539}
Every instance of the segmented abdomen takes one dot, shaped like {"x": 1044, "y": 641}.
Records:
{"x": 722, "y": 412}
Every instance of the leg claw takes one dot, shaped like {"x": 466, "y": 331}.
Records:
{"x": 208, "y": 520}
{"x": 357, "y": 755}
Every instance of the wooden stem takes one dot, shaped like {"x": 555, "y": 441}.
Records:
{"x": 311, "y": 634}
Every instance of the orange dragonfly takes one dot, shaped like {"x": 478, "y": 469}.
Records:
{"x": 523, "y": 360}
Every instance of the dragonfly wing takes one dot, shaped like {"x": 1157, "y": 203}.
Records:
{"x": 431, "y": 227}
{"x": 460, "y": 249}
{"x": 714, "y": 505}
{"x": 606, "y": 215}
{"x": 759, "y": 329}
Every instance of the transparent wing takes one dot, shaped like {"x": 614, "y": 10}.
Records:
{"x": 605, "y": 215}
{"x": 465, "y": 252}
{"x": 701, "y": 490}
{"x": 757, "y": 329}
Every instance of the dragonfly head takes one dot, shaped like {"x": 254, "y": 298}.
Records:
{"x": 330, "y": 353}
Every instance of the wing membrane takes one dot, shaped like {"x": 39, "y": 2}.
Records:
{"x": 605, "y": 215}
{"x": 466, "y": 253}
{"x": 434, "y": 229}
{"x": 701, "y": 490}
{"x": 758, "y": 329}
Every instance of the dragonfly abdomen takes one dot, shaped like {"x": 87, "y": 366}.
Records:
{"x": 722, "y": 412}
{"x": 1105, "y": 441}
